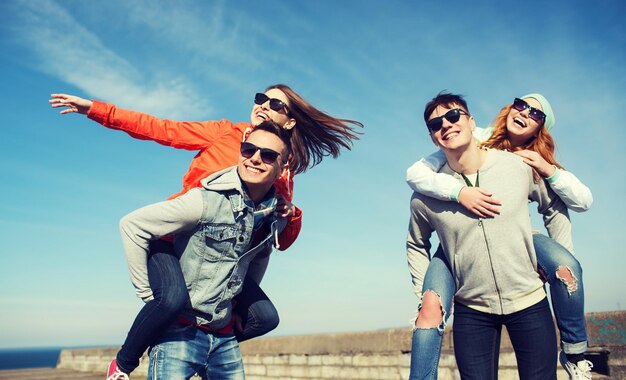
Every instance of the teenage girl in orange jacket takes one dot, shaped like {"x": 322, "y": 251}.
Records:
{"x": 315, "y": 134}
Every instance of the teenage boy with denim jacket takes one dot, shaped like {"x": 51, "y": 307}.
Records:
{"x": 219, "y": 230}
{"x": 492, "y": 260}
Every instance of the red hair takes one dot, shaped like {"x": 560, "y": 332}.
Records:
{"x": 542, "y": 143}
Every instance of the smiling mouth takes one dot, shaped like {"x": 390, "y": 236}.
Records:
{"x": 254, "y": 169}
{"x": 262, "y": 115}
{"x": 450, "y": 135}
{"x": 519, "y": 122}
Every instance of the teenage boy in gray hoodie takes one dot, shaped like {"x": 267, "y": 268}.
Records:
{"x": 220, "y": 228}
{"x": 492, "y": 260}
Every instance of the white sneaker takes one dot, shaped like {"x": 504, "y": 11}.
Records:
{"x": 578, "y": 371}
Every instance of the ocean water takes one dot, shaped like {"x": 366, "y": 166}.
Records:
{"x": 15, "y": 358}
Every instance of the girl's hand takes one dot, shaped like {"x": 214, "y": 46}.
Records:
{"x": 284, "y": 208}
{"x": 73, "y": 103}
{"x": 479, "y": 202}
{"x": 537, "y": 162}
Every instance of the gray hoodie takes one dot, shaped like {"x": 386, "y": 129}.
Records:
{"x": 493, "y": 260}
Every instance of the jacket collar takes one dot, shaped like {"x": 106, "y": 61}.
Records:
{"x": 229, "y": 180}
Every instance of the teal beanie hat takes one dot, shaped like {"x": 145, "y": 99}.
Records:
{"x": 545, "y": 107}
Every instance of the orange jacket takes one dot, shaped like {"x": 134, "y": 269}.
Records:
{"x": 217, "y": 142}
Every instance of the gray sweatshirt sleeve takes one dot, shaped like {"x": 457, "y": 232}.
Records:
{"x": 555, "y": 214}
{"x": 418, "y": 245}
{"x": 151, "y": 223}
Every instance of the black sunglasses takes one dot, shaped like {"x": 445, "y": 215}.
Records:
{"x": 533, "y": 113}
{"x": 275, "y": 104}
{"x": 268, "y": 156}
{"x": 452, "y": 116}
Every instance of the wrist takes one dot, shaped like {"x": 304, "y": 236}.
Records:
{"x": 554, "y": 176}
{"x": 456, "y": 192}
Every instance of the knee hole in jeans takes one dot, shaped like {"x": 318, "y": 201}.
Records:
{"x": 431, "y": 312}
{"x": 566, "y": 276}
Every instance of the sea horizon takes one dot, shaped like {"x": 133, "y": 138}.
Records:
{"x": 34, "y": 357}
{"x": 29, "y": 357}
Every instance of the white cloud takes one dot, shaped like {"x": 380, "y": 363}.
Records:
{"x": 67, "y": 50}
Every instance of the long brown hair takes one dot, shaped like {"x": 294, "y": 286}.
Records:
{"x": 542, "y": 143}
{"x": 316, "y": 134}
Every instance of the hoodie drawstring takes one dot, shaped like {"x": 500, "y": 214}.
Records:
{"x": 275, "y": 230}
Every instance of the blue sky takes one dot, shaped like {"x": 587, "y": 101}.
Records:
{"x": 66, "y": 181}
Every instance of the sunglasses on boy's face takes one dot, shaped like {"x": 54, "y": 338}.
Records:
{"x": 268, "y": 156}
{"x": 452, "y": 116}
{"x": 535, "y": 114}
{"x": 275, "y": 104}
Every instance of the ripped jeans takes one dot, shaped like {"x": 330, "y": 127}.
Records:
{"x": 566, "y": 294}
{"x": 426, "y": 345}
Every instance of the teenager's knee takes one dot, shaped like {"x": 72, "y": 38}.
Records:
{"x": 568, "y": 278}
{"x": 431, "y": 313}
{"x": 264, "y": 316}
{"x": 171, "y": 299}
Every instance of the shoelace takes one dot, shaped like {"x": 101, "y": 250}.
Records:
{"x": 118, "y": 375}
{"x": 273, "y": 227}
{"x": 585, "y": 366}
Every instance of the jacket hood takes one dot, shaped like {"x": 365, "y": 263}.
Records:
{"x": 227, "y": 179}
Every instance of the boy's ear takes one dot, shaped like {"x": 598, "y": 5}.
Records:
{"x": 284, "y": 168}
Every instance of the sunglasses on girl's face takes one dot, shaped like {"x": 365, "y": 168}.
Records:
{"x": 533, "y": 113}
{"x": 452, "y": 116}
{"x": 275, "y": 104}
{"x": 268, "y": 156}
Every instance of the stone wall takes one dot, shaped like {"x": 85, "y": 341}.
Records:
{"x": 382, "y": 354}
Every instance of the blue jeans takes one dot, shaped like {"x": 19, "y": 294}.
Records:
{"x": 170, "y": 297}
{"x": 568, "y": 305}
{"x": 477, "y": 342}
{"x": 183, "y": 351}
{"x": 426, "y": 344}
{"x": 257, "y": 312}
{"x": 568, "y": 302}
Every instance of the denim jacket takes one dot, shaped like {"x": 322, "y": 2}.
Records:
{"x": 216, "y": 254}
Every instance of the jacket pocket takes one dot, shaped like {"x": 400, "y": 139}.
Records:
{"x": 220, "y": 240}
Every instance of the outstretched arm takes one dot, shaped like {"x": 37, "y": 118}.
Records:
{"x": 178, "y": 134}
{"x": 72, "y": 104}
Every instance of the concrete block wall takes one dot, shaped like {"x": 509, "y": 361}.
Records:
{"x": 382, "y": 354}
{"x": 96, "y": 360}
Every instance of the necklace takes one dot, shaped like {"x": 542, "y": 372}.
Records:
{"x": 468, "y": 182}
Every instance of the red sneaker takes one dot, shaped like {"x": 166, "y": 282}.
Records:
{"x": 114, "y": 373}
